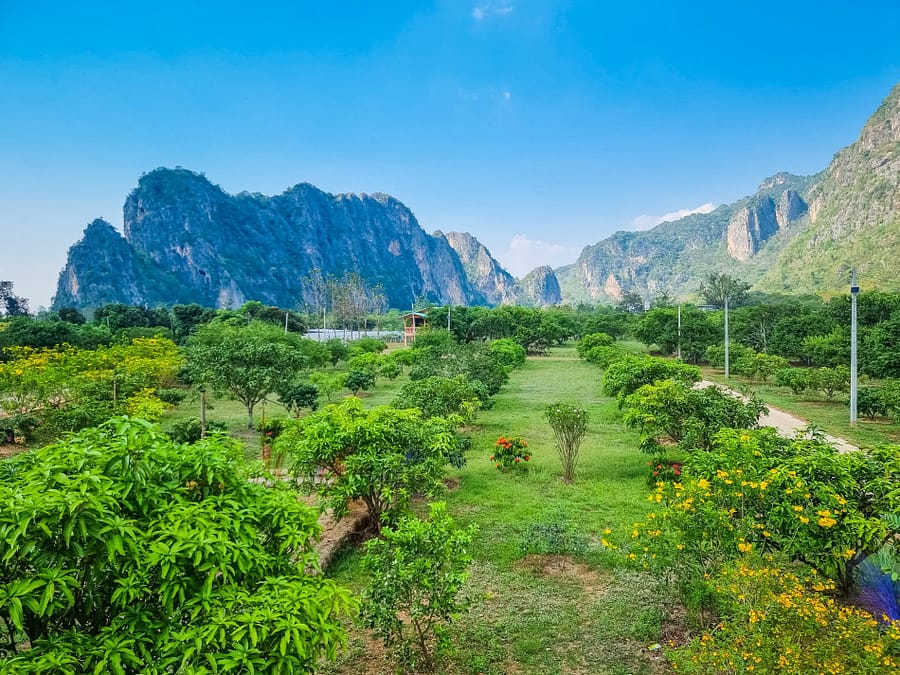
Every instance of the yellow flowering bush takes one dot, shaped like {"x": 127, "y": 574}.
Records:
{"x": 779, "y": 620}
{"x": 800, "y": 497}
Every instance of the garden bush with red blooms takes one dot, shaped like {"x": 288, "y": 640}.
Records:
{"x": 663, "y": 469}
{"x": 510, "y": 452}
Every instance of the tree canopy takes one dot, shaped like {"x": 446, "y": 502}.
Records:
{"x": 124, "y": 552}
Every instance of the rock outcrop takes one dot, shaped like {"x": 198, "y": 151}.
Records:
{"x": 187, "y": 240}
{"x": 755, "y": 223}
{"x": 484, "y": 273}
{"x": 539, "y": 288}
{"x": 854, "y": 211}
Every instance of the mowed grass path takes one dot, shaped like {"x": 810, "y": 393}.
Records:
{"x": 560, "y": 613}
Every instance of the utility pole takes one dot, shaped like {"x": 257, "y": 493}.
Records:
{"x": 679, "y": 331}
{"x": 726, "y": 336}
{"x": 854, "y": 291}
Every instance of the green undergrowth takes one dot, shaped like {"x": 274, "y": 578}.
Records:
{"x": 547, "y": 597}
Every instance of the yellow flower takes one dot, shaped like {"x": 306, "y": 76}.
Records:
{"x": 744, "y": 547}
{"x": 827, "y": 522}
{"x": 804, "y": 520}
{"x": 798, "y": 508}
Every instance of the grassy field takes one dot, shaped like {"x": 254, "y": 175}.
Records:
{"x": 833, "y": 417}
{"x": 554, "y": 613}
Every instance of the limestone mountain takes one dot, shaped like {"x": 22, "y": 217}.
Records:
{"x": 854, "y": 215}
{"x": 187, "y": 240}
{"x": 674, "y": 256}
{"x": 496, "y": 284}
{"x": 539, "y": 288}
{"x": 795, "y": 234}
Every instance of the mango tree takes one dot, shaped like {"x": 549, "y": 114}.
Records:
{"x": 382, "y": 456}
{"x": 124, "y": 552}
{"x": 248, "y": 361}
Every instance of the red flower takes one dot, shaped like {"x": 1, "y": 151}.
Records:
{"x": 498, "y": 466}
{"x": 656, "y": 473}
{"x": 518, "y": 459}
{"x": 677, "y": 472}
{"x": 527, "y": 457}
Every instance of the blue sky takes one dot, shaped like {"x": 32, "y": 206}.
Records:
{"x": 538, "y": 126}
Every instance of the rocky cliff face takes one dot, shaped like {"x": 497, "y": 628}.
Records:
{"x": 188, "y": 240}
{"x": 755, "y": 223}
{"x": 675, "y": 256}
{"x": 539, "y": 288}
{"x": 104, "y": 267}
{"x": 496, "y": 284}
{"x": 854, "y": 215}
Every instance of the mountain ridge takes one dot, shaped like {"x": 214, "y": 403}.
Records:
{"x": 184, "y": 234}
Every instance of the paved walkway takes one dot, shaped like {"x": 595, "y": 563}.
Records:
{"x": 787, "y": 425}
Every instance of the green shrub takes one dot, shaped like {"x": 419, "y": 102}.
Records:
{"x": 689, "y": 416}
{"x": 569, "y": 424}
{"x": 759, "y": 367}
{"x": 337, "y": 350}
{"x": 367, "y": 345}
{"x": 797, "y": 380}
{"x": 592, "y": 340}
{"x": 830, "y": 381}
{"x": 627, "y": 375}
{"x": 382, "y": 456}
{"x": 162, "y": 532}
{"x": 440, "y": 397}
{"x": 417, "y": 570}
{"x": 360, "y": 380}
{"x": 508, "y": 352}
{"x": 296, "y": 396}
{"x": 188, "y": 429}
{"x": 715, "y": 354}
{"x": 605, "y": 356}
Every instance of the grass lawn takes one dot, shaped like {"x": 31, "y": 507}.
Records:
{"x": 556, "y": 613}
{"x": 833, "y": 417}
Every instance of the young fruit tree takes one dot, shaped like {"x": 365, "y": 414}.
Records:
{"x": 122, "y": 551}
{"x": 417, "y": 569}
{"x": 382, "y": 456}
{"x": 247, "y": 361}
{"x": 569, "y": 424}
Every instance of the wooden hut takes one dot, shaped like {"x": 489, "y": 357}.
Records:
{"x": 411, "y": 322}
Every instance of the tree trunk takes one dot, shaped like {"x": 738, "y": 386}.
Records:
{"x": 203, "y": 412}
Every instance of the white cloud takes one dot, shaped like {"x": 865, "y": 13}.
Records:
{"x": 645, "y": 221}
{"x": 481, "y": 12}
{"x": 507, "y": 95}
{"x": 524, "y": 254}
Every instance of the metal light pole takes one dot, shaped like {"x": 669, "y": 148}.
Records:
{"x": 679, "y": 330}
{"x": 854, "y": 291}
{"x": 726, "y": 336}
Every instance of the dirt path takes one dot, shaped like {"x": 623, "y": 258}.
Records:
{"x": 787, "y": 425}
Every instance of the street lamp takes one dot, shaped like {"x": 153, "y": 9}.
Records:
{"x": 854, "y": 291}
